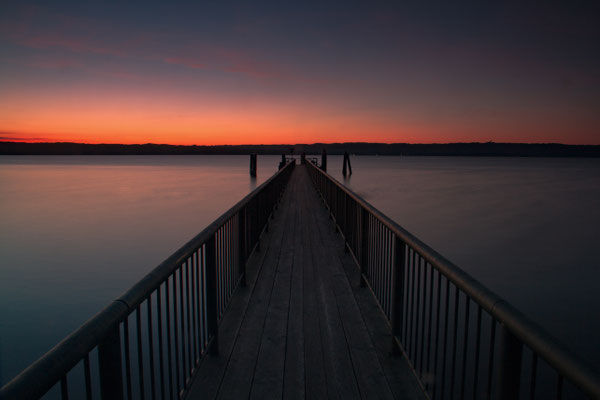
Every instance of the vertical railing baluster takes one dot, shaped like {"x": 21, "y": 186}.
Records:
{"x": 397, "y": 290}
{"x": 187, "y": 310}
{"x": 477, "y": 351}
{"x": 429, "y": 324}
{"x": 559, "y": 387}
{"x": 182, "y": 327}
{"x": 424, "y": 300}
{"x": 127, "y": 358}
{"x": 412, "y": 306}
{"x": 418, "y": 313}
{"x": 509, "y": 365}
{"x": 437, "y": 333}
{"x": 533, "y": 376}
{"x": 88, "y": 377}
{"x": 138, "y": 324}
{"x": 382, "y": 267}
{"x": 109, "y": 360}
{"x": 364, "y": 250}
{"x": 151, "y": 347}
{"x": 491, "y": 359}
{"x": 221, "y": 269}
{"x": 194, "y": 290}
{"x": 211, "y": 295}
{"x": 64, "y": 388}
{"x": 242, "y": 245}
{"x": 446, "y": 318}
{"x": 161, "y": 357}
{"x": 406, "y": 298}
{"x": 465, "y": 342}
{"x": 200, "y": 301}
{"x": 176, "y": 335}
{"x": 168, "y": 326}
{"x": 389, "y": 241}
{"x": 454, "y": 340}
{"x": 230, "y": 254}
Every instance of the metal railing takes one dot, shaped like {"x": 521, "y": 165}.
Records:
{"x": 149, "y": 342}
{"x": 462, "y": 340}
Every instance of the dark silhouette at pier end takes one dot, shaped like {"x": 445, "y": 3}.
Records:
{"x": 347, "y": 166}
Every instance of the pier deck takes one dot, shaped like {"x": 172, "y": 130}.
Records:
{"x": 303, "y": 326}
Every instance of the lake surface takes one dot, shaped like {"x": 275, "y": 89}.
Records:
{"x": 76, "y": 231}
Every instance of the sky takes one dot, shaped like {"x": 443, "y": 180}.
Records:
{"x": 300, "y": 72}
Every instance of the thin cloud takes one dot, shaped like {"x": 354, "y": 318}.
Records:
{"x": 194, "y": 64}
{"x": 85, "y": 36}
{"x": 15, "y": 137}
{"x": 229, "y": 60}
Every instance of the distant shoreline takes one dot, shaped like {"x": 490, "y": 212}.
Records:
{"x": 358, "y": 148}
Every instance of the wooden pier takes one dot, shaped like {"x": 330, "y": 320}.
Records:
{"x": 303, "y": 326}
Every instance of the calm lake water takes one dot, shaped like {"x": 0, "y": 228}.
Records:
{"x": 76, "y": 231}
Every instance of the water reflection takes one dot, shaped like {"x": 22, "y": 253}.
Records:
{"x": 253, "y": 184}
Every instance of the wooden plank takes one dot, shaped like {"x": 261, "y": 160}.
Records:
{"x": 399, "y": 375}
{"x": 339, "y": 368}
{"x": 267, "y": 382}
{"x": 238, "y": 376}
{"x": 369, "y": 373}
{"x": 337, "y": 357}
{"x": 316, "y": 384}
{"x": 303, "y": 328}
{"x": 293, "y": 381}
{"x": 379, "y": 374}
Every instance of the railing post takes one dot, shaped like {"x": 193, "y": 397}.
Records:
{"x": 109, "y": 360}
{"x": 509, "y": 365}
{"x": 242, "y": 244}
{"x": 397, "y": 290}
{"x": 211, "y": 294}
{"x": 364, "y": 248}
{"x": 346, "y": 229}
{"x": 257, "y": 228}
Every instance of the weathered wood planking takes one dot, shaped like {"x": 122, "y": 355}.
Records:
{"x": 302, "y": 327}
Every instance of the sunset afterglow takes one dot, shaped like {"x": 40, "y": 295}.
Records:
{"x": 242, "y": 74}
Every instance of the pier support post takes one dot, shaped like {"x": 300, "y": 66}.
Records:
{"x": 109, "y": 360}
{"x": 347, "y": 166}
{"x": 282, "y": 162}
{"x": 509, "y": 365}
{"x": 253, "y": 165}
{"x": 324, "y": 160}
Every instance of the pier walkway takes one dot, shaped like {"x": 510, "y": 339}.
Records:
{"x": 303, "y": 326}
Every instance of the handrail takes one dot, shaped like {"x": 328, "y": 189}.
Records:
{"x": 362, "y": 234}
{"x": 208, "y": 264}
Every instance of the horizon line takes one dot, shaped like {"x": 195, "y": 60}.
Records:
{"x": 290, "y": 144}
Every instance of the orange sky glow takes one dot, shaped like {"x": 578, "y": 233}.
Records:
{"x": 292, "y": 76}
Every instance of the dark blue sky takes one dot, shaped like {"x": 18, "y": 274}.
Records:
{"x": 300, "y": 72}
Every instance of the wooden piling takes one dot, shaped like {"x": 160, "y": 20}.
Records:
{"x": 253, "y": 165}
{"x": 346, "y": 163}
